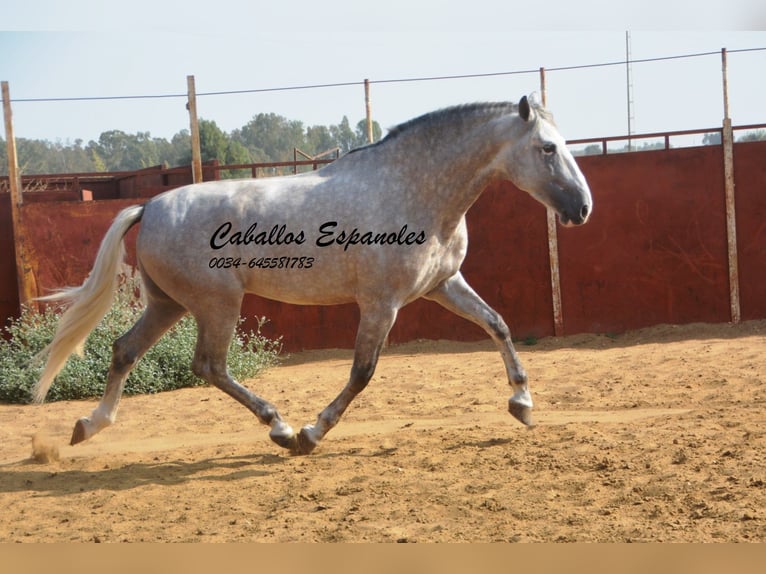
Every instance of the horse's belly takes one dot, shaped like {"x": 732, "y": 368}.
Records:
{"x": 299, "y": 274}
{"x": 299, "y": 288}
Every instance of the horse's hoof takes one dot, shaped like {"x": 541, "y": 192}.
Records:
{"x": 306, "y": 443}
{"x": 520, "y": 412}
{"x": 297, "y": 444}
{"x": 290, "y": 442}
{"x": 78, "y": 434}
{"x": 283, "y": 434}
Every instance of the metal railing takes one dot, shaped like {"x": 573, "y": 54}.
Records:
{"x": 665, "y": 136}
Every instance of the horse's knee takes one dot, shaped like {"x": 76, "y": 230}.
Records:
{"x": 499, "y": 328}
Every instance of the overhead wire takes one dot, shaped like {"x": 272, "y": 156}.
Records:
{"x": 384, "y": 81}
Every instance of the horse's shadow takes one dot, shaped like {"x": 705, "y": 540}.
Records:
{"x": 52, "y": 481}
{"x": 482, "y": 444}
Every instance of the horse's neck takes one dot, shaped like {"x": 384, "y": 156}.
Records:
{"x": 455, "y": 169}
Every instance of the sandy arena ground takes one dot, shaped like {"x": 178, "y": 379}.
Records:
{"x": 654, "y": 435}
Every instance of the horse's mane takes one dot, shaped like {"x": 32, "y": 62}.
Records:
{"x": 465, "y": 110}
{"x": 452, "y": 113}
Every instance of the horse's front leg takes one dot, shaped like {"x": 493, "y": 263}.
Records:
{"x": 375, "y": 323}
{"x": 456, "y": 295}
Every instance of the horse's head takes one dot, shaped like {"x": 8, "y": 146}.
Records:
{"x": 540, "y": 164}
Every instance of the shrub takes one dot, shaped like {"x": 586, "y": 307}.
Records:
{"x": 166, "y": 366}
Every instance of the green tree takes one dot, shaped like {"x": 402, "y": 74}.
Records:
{"x": 713, "y": 138}
{"x": 121, "y": 151}
{"x": 180, "y": 149}
{"x": 98, "y": 162}
{"x": 361, "y": 133}
{"x": 753, "y": 136}
{"x": 344, "y": 136}
{"x": 215, "y": 144}
{"x": 318, "y": 139}
{"x": 75, "y": 157}
{"x": 271, "y": 136}
{"x": 267, "y": 137}
{"x": 592, "y": 149}
{"x": 34, "y": 157}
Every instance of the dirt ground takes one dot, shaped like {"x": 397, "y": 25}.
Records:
{"x": 654, "y": 435}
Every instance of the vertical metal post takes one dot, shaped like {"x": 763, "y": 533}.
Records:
{"x": 195, "y": 140}
{"x": 629, "y": 89}
{"x": 27, "y": 286}
{"x": 731, "y": 216}
{"x": 553, "y": 246}
{"x": 368, "y": 108}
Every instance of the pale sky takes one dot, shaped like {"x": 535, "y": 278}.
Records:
{"x": 91, "y": 48}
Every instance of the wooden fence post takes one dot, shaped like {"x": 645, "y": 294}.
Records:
{"x": 553, "y": 247}
{"x": 195, "y": 141}
{"x": 368, "y": 109}
{"x": 731, "y": 217}
{"x": 27, "y": 286}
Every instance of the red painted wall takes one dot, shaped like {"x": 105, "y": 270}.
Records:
{"x": 655, "y": 248}
{"x": 750, "y": 189}
{"x": 9, "y": 292}
{"x": 654, "y": 252}
{"x": 64, "y": 238}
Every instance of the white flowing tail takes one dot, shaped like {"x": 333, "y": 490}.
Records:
{"x": 88, "y": 303}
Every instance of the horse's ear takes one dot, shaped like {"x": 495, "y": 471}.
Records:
{"x": 524, "y": 109}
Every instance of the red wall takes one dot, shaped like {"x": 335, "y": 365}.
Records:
{"x": 64, "y": 238}
{"x": 653, "y": 252}
{"x": 655, "y": 248}
{"x": 750, "y": 189}
{"x": 9, "y": 291}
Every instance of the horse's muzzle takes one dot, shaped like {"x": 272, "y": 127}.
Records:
{"x": 571, "y": 219}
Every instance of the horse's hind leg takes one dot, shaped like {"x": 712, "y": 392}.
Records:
{"x": 456, "y": 295}
{"x": 376, "y": 321}
{"x": 215, "y": 330}
{"x": 159, "y": 315}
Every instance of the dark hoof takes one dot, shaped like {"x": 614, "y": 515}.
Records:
{"x": 78, "y": 434}
{"x": 297, "y": 444}
{"x": 288, "y": 442}
{"x": 305, "y": 444}
{"x": 521, "y": 413}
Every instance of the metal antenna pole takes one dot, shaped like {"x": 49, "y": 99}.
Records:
{"x": 629, "y": 77}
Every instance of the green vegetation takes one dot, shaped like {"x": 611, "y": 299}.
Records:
{"x": 166, "y": 366}
{"x": 265, "y": 138}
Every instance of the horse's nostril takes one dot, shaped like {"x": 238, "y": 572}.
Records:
{"x": 584, "y": 212}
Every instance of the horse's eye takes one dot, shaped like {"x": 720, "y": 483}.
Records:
{"x": 549, "y": 148}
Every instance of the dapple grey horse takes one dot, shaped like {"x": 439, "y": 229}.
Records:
{"x": 381, "y": 226}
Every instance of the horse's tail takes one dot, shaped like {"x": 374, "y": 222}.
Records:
{"x": 88, "y": 303}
